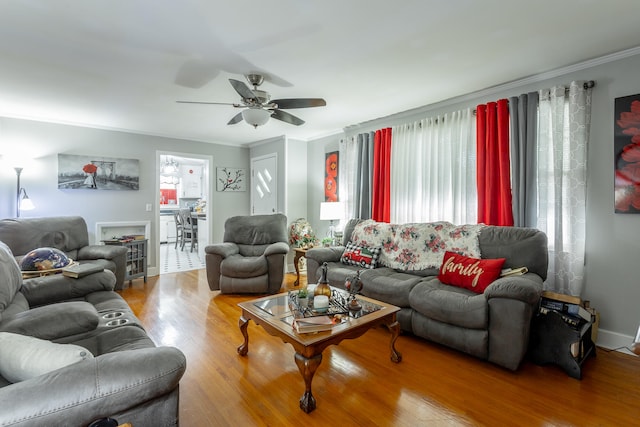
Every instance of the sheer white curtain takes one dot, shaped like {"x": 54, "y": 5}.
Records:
{"x": 433, "y": 170}
{"x": 348, "y": 167}
{"x": 563, "y": 134}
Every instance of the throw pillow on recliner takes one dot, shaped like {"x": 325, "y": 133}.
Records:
{"x": 474, "y": 274}
{"x": 360, "y": 256}
{"x": 23, "y": 357}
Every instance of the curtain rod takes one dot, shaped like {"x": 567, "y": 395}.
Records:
{"x": 587, "y": 85}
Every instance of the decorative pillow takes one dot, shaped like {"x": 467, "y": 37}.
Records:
{"x": 23, "y": 357}
{"x": 360, "y": 255}
{"x": 474, "y": 274}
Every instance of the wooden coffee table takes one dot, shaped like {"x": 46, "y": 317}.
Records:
{"x": 274, "y": 313}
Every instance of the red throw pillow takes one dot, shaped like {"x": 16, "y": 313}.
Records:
{"x": 470, "y": 273}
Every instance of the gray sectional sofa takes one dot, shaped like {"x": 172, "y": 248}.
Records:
{"x": 72, "y": 352}
{"x": 67, "y": 233}
{"x": 493, "y": 325}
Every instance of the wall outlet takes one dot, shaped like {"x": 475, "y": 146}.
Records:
{"x": 149, "y": 207}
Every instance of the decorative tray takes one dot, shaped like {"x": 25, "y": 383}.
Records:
{"x": 337, "y": 305}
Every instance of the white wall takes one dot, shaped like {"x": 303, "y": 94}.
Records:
{"x": 292, "y": 177}
{"x": 613, "y": 240}
{"x": 37, "y": 144}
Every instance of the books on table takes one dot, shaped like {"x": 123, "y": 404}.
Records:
{"x": 305, "y": 325}
{"x": 569, "y": 307}
{"x": 80, "y": 270}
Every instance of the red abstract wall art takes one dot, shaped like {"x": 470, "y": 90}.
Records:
{"x": 331, "y": 177}
{"x": 627, "y": 154}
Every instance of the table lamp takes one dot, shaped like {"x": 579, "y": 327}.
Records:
{"x": 331, "y": 211}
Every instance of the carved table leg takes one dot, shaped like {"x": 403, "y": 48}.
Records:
{"x": 243, "y": 349}
{"x": 308, "y": 368}
{"x": 296, "y": 260}
{"x": 394, "y": 328}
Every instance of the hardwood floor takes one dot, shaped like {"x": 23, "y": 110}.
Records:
{"x": 357, "y": 384}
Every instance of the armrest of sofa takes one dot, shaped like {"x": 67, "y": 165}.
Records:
{"x": 320, "y": 255}
{"x": 512, "y": 303}
{"x": 526, "y": 288}
{"x": 107, "y": 385}
{"x": 278, "y": 248}
{"x": 53, "y": 321}
{"x": 317, "y": 256}
{"x": 50, "y": 289}
{"x": 110, "y": 252}
{"x": 224, "y": 250}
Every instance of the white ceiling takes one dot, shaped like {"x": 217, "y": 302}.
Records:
{"x": 122, "y": 64}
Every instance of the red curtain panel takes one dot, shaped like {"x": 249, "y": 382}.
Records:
{"x": 493, "y": 165}
{"x": 381, "y": 191}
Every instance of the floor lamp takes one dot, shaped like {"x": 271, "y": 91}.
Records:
{"x": 23, "y": 202}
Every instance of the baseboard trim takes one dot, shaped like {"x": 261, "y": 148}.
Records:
{"x": 614, "y": 341}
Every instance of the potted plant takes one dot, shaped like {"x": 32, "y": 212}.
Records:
{"x": 326, "y": 242}
{"x": 303, "y": 298}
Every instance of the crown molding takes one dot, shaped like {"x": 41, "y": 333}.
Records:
{"x": 537, "y": 78}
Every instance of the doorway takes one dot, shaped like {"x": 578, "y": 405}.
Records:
{"x": 183, "y": 183}
{"x": 264, "y": 184}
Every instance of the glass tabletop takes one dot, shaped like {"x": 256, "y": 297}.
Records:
{"x": 275, "y": 306}
{"x": 287, "y": 304}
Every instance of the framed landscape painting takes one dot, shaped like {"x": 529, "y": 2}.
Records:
{"x": 626, "y": 144}
{"x": 97, "y": 173}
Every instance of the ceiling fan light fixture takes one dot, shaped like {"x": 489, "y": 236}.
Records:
{"x": 256, "y": 116}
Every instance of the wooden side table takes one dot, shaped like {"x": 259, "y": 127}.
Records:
{"x": 553, "y": 341}
{"x": 136, "y": 257}
{"x": 300, "y": 252}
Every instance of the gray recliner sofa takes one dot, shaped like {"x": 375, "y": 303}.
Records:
{"x": 67, "y": 233}
{"x": 126, "y": 378}
{"x": 493, "y": 325}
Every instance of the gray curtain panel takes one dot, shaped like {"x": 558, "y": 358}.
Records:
{"x": 364, "y": 174}
{"x": 523, "y": 110}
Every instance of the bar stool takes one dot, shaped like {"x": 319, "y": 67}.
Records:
{"x": 189, "y": 229}
{"x": 178, "y": 220}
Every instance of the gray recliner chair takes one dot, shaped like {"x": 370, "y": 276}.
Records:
{"x": 251, "y": 258}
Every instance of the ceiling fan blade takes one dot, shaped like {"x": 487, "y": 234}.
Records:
{"x": 299, "y": 102}
{"x": 236, "y": 119}
{"x": 286, "y": 117}
{"x": 209, "y": 103}
{"x": 242, "y": 89}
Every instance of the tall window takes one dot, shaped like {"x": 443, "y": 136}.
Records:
{"x": 433, "y": 170}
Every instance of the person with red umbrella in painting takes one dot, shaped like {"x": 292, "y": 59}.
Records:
{"x": 91, "y": 170}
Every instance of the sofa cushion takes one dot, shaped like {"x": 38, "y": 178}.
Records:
{"x": 360, "y": 255}
{"x": 242, "y": 266}
{"x": 388, "y": 285}
{"x": 451, "y": 305}
{"x": 23, "y": 357}
{"x": 10, "y": 277}
{"x": 522, "y": 247}
{"x": 474, "y": 274}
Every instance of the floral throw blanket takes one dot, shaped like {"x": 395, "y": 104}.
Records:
{"x": 417, "y": 246}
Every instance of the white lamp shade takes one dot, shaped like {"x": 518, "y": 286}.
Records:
{"x": 256, "y": 116}
{"x": 331, "y": 210}
{"x": 26, "y": 204}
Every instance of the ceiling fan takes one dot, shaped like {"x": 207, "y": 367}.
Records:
{"x": 258, "y": 105}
